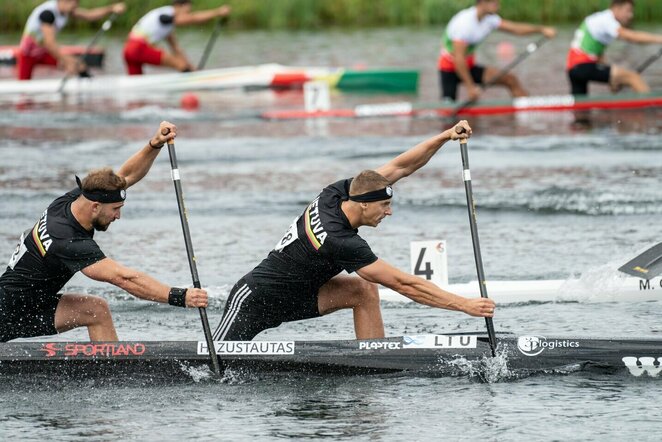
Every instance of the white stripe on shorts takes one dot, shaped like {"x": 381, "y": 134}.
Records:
{"x": 233, "y": 310}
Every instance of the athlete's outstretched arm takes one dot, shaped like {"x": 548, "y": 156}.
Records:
{"x": 139, "y": 284}
{"x": 519, "y": 28}
{"x": 136, "y": 167}
{"x": 423, "y": 291}
{"x": 410, "y": 161}
{"x": 100, "y": 12}
{"x": 638, "y": 36}
{"x": 199, "y": 17}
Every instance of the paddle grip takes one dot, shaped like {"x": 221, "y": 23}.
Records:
{"x": 461, "y": 130}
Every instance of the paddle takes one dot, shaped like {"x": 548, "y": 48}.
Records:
{"x": 189, "y": 251}
{"x": 642, "y": 67}
{"x": 210, "y": 43}
{"x": 474, "y": 236}
{"x": 104, "y": 27}
{"x": 646, "y": 265}
{"x": 649, "y": 61}
{"x": 530, "y": 49}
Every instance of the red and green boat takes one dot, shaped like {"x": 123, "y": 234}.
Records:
{"x": 548, "y": 103}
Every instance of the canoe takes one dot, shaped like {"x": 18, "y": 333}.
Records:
{"x": 454, "y": 354}
{"x": 549, "y": 103}
{"x": 614, "y": 289}
{"x": 94, "y": 56}
{"x": 247, "y": 77}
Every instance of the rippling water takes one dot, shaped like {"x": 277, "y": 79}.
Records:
{"x": 553, "y": 202}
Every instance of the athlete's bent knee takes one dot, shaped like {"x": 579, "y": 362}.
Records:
{"x": 368, "y": 293}
{"x": 96, "y": 310}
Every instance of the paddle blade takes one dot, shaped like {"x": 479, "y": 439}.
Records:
{"x": 646, "y": 265}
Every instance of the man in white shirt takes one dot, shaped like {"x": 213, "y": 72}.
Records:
{"x": 464, "y": 32}
{"x": 586, "y": 56}
{"x": 39, "y": 41}
{"x": 159, "y": 24}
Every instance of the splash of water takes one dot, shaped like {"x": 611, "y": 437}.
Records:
{"x": 231, "y": 376}
{"x": 196, "y": 373}
{"x": 486, "y": 369}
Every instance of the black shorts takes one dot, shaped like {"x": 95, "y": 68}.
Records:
{"x": 25, "y": 316}
{"x": 449, "y": 81}
{"x": 581, "y": 74}
{"x": 248, "y": 310}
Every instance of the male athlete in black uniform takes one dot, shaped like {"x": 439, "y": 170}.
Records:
{"x": 61, "y": 243}
{"x": 300, "y": 277}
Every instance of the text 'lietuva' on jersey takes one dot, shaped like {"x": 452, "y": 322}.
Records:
{"x": 155, "y": 26}
{"x": 51, "y": 252}
{"x": 592, "y": 38}
{"x": 465, "y": 26}
{"x": 318, "y": 245}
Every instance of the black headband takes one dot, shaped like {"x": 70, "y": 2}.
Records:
{"x": 375, "y": 195}
{"x": 102, "y": 196}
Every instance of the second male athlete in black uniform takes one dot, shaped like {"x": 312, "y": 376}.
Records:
{"x": 61, "y": 243}
{"x": 300, "y": 278}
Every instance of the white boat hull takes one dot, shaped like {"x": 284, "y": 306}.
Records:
{"x": 616, "y": 289}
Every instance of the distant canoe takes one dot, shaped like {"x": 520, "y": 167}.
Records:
{"x": 248, "y": 77}
{"x": 549, "y": 103}
{"x": 94, "y": 57}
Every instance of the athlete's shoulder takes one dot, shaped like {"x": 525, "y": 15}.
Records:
{"x": 60, "y": 222}
{"x": 68, "y": 197}
{"x": 164, "y": 10}
{"x": 605, "y": 16}
{"x": 461, "y": 19}
{"x": 340, "y": 187}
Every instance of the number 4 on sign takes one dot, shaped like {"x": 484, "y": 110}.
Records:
{"x": 429, "y": 261}
{"x": 419, "y": 263}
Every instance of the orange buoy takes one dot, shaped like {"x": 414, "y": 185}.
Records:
{"x": 189, "y": 101}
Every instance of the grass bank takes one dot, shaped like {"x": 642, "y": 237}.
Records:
{"x": 311, "y": 14}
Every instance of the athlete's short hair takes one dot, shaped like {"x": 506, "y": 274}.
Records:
{"x": 181, "y": 2}
{"x": 367, "y": 181}
{"x": 621, "y": 2}
{"x": 103, "y": 179}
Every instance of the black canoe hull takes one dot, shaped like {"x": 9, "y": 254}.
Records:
{"x": 434, "y": 355}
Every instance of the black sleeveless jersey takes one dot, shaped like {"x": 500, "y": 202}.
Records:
{"x": 319, "y": 244}
{"x": 50, "y": 253}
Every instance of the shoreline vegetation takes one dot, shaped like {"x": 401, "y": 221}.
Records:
{"x": 321, "y": 14}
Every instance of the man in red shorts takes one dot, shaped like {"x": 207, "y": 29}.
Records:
{"x": 158, "y": 25}
{"x": 39, "y": 44}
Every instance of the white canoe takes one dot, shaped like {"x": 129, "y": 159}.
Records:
{"x": 613, "y": 289}
{"x": 260, "y": 76}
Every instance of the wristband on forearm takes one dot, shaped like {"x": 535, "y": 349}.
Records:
{"x": 177, "y": 297}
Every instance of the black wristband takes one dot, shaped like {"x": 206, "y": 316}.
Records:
{"x": 177, "y": 297}
{"x": 155, "y": 147}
